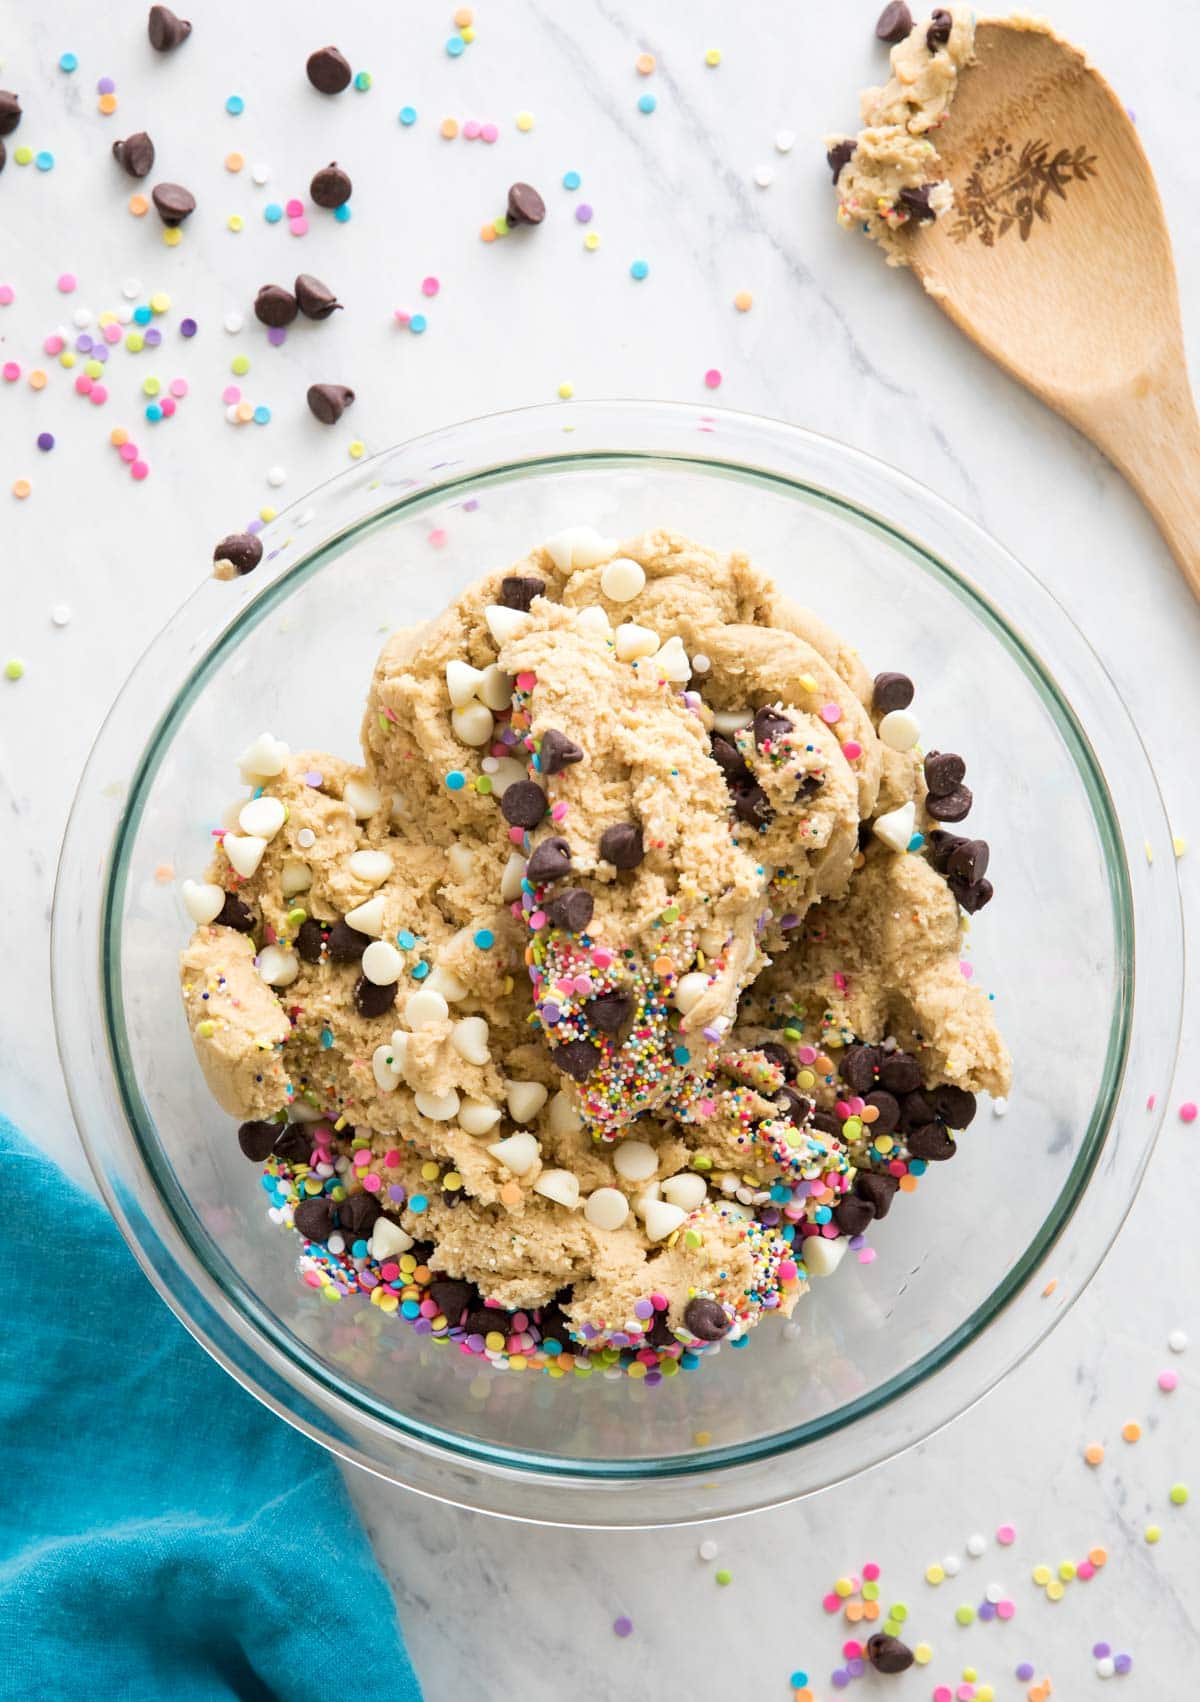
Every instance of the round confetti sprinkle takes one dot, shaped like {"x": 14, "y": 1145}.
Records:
{"x": 591, "y": 242}
{"x": 922, "y": 1654}
{"x": 1094, "y": 1453}
{"x": 713, "y": 57}
{"x": 712, "y": 378}
{"x": 976, "y": 1544}
{"x": 764, "y": 176}
{"x": 272, "y": 212}
{"x": 964, "y": 1614}
{"x": 67, "y": 283}
{"x": 449, "y": 128}
{"x": 234, "y": 222}
{"x": 571, "y": 180}
{"x": 23, "y": 154}
{"x": 1152, "y": 1533}
{"x": 933, "y": 1575}
{"x": 622, "y": 1626}
{"x": 708, "y": 1551}
{"x": 1187, "y": 1111}
{"x": 723, "y": 1576}
{"x": 1131, "y": 1431}
{"x": 342, "y": 215}
{"x": 1179, "y": 1494}
{"x": 455, "y": 46}
{"x": 107, "y": 104}
{"x": 430, "y": 286}
{"x": 639, "y": 269}
{"x": 139, "y": 206}
{"x": 362, "y": 81}
{"x": 1006, "y": 1535}
{"x": 68, "y": 62}
{"x": 235, "y": 105}
{"x": 408, "y": 116}
{"x": 14, "y": 668}
{"x": 1025, "y": 1671}
{"x": 357, "y": 450}
{"x": 645, "y": 64}
{"x": 7, "y": 295}
{"x": 21, "y": 488}
{"x": 45, "y": 441}
{"x": 60, "y": 614}
{"x": 1168, "y": 1381}
{"x": 743, "y": 301}
{"x": 647, "y": 103}
{"x": 44, "y": 160}
{"x": 785, "y": 141}
{"x": 172, "y": 236}
{"x": 524, "y": 122}
{"x": 234, "y": 161}
{"x": 11, "y": 371}
{"x": 187, "y": 327}
{"x": 105, "y": 86}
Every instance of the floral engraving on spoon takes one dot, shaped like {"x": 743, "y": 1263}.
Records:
{"x": 1006, "y": 189}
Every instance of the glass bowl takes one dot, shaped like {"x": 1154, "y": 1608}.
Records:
{"x": 1081, "y": 949}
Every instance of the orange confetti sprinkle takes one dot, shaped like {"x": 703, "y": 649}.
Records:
{"x": 1094, "y": 1453}
{"x": 1049, "y": 1288}
{"x": 245, "y": 411}
{"x": 234, "y": 161}
{"x": 37, "y": 379}
{"x": 869, "y": 1113}
{"x": 107, "y": 104}
{"x": 487, "y": 233}
{"x": 743, "y": 301}
{"x": 854, "y": 1611}
{"x": 117, "y": 436}
{"x": 464, "y": 17}
{"x": 21, "y": 488}
{"x": 645, "y": 63}
{"x": 165, "y": 872}
{"x": 908, "y": 1184}
{"x": 449, "y": 128}
{"x": 1097, "y": 1556}
{"x": 664, "y": 966}
{"x": 871, "y": 1610}
{"x": 1131, "y": 1431}
{"x": 510, "y": 1194}
{"x": 139, "y": 206}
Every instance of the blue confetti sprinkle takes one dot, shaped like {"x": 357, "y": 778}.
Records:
{"x": 408, "y": 115}
{"x": 235, "y": 105}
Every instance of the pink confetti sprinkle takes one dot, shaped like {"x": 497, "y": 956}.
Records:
{"x": 168, "y": 406}
{"x": 966, "y": 970}
{"x": 558, "y": 811}
{"x": 831, "y": 1603}
{"x": 437, "y": 537}
{"x": 12, "y": 372}
{"x": 1006, "y": 1534}
{"x": 471, "y": 129}
{"x": 178, "y": 387}
{"x": 83, "y": 384}
{"x": 98, "y": 395}
{"x": 852, "y": 1649}
{"x": 430, "y": 286}
{"x": 851, "y": 750}
{"x": 231, "y": 393}
{"x": 67, "y": 282}
{"x": 111, "y": 333}
{"x": 807, "y": 1054}
{"x": 1187, "y": 1111}
{"x": 712, "y": 378}
{"x": 7, "y": 295}
{"x": 831, "y": 713}
{"x": 1006, "y": 1609}
{"x": 139, "y": 470}
{"x": 1151, "y": 1102}
{"x": 402, "y": 316}
{"x": 1168, "y": 1381}
{"x": 489, "y": 132}
{"x": 54, "y": 344}
{"x": 526, "y": 680}
{"x": 372, "y": 1184}
{"x": 128, "y": 452}
{"x": 298, "y": 226}
{"x": 294, "y": 208}
{"x": 871, "y": 1571}
{"x": 943, "y": 1693}
{"x": 1084, "y": 1570}
{"x": 866, "y": 1255}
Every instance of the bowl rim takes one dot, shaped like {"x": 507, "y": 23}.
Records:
{"x": 254, "y": 605}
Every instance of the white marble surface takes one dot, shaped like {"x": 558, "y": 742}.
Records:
{"x": 832, "y": 342}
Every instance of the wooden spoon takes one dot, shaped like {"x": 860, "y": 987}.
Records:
{"x": 1056, "y": 260}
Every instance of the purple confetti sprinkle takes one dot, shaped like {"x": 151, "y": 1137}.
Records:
{"x": 106, "y": 86}
{"x": 314, "y": 777}
{"x": 791, "y": 920}
{"x": 856, "y": 1667}
{"x": 100, "y": 353}
{"x": 840, "y": 1678}
{"x": 987, "y": 1611}
{"x": 153, "y": 337}
{"x": 471, "y": 504}
{"x": 551, "y": 1012}
{"x": 187, "y": 327}
{"x": 277, "y": 335}
{"x": 1123, "y": 1663}
{"x": 83, "y": 342}
{"x": 1101, "y": 1649}
{"x": 1025, "y": 1671}
{"x": 643, "y": 1309}
{"x": 583, "y": 213}
{"x": 622, "y": 1625}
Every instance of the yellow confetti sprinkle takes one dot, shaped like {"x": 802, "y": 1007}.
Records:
{"x": 1178, "y": 844}
{"x": 566, "y": 390}
{"x": 713, "y": 57}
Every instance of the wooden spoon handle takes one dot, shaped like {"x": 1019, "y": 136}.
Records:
{"x": 1150, "y": 431}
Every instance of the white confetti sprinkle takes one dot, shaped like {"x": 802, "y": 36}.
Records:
{"x": 976, "y": 1544}
{"x": 60, "y": 614}
{"x": 260, "y": 173}
{"x": 707, "y": 1549}
{"x": 231, "y": 414}
{"x": 951, "y": 1565}
{"x": 233, "y": 322}
{"x": 994, "y": 1593}
{"x": 1177, "y": 1341}
{"x": 700, "y": 663}
{"x": 276, "y": 476}
{"x": 131, "y": 289}
{"x": 764, "y": 176}
{"x": 1000, "y": 1107}
{"x": 82, "y": 317}
{"x": 124, "y": 315}
{"x": 785, "y": 141}
{"x": 1105, "y": 1667}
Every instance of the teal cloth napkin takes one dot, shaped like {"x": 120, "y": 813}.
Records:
{"x": 163, "y": 1536}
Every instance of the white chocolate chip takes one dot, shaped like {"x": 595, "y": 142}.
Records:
{"x": 731, "y": 720}
{"x": 518, "y": 1153}
{"x": 363, "y": 798}
{"x": 895, "y": 828}
{"x": 388, "y": 1239}
{"x": 264, "y": 759}
{"x": 425, "y": 1008}
{"x": 382, "y": 964}
{"x": 689, "y": 990}
{"x": 900, "y": 729}
{"x": 374, "y": 867}
{"x": 383, "y": 1065}
{"x": 438, "y": 1107}
{"x": 594, "y": 619}
{"x": 687, "y": 1190}
{"x": 564, "y": 1115}
{"x": 398, "y": 808}
{"x": 462, "y": 682}
{"x": 478, "y": 1117}
{"x": 711, "y": 941}
{"x": 461, "y": 861}
{"x": 469, "y": 1038}
{"x": 496, "y": 688}
{"x": 623, "y": 579}
{"x": 607, "y": 1208}
{"x": 672, "y": 662}
{"x": 278, "y": 966}
{"x": 561, "y": 1186}
{"x": 525, "y": 1099}
{"x": 506, "y": 773}
{"x": 514, "y": 874}
{"x": 634, "y": 641}
{"x": 822, "y": 1255}
{"x": 368, "y": 917}
{"x": 578, "y": 546}
{"x": 203, "y": 900}
{"x": 662, "y": 1219}
{"x": 473, "y": 725}
{"x": 294, "y": 877}
{"x": 245, "y": 854}
{"x": 643, "y": 1201}
{"x": 503, "y": 623}
{"x": 262, "y": 817}
{"x": 301, "y": 1112}
{"x": 440, "y": 980}
{"x": 635, "y": 1161}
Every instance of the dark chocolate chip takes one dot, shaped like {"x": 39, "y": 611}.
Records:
{"x": 751, "y": 804}
{"x": 525, "y": 205}
{"x": 894, "y": 23}
{"x": 551, "y": 860}
{"x": 273, "y": 305}
{"x": 779, "y": 1056}
{"x": 422, "y": 1251}
{"x": 915, "y": 1111}
{"x": 899, "y": 1072}
{"x": 517, "y": 591}
{"x": 859, "y": 1067}
{"x": 808, "y": 788}
{"x": 942, "y": 846}
{"x": 358, "y": 1215}
{"x": 372, "y": 1000}
{"x": 793, "y": 1105}
{"x": 453, "y": 1298}
{"x": 314, "y": 1218}
{"x": 954, "y": 1105}
{"x": 328, "y": 71}
{"x": 852, "y": 1215}
{"x": 308, "y": 941}
{"x": 839, "y": 156}
{"x": 556, "y": 752}
{"x": 889, "y": 1112}
{"x": 938, "y": 33}
{"x": 452, "y": 1198}
{"x": 293, "y": 1145}
{"x": 944, "y": 770}
{"x": 571, "y": 910}
{"x": 885, "y": 1653}
{"x": 523, "y": 803}
{"x": 621, "y": 845}
{"x": 706, "y": 1319}
{"x": 891, "y": 691}
{"x": 346, "y": 944}
{"x": 328, "y": 402}
{"x": 878, "y": 1188}
{"x": 257, "y": 1140}
{"x": 234, "y": 914}
{"x": 968, "y": 861}
{"x": 314, "y": 299}
{"x": 825, "y": 1123}
{"x": 172, "y": 202}
{"x": 331, "y": 186}
{"x": 953, "y": 807}
{"x": 770, "y": 726}
{"x": 660, "y": 1333}
{"x": 866, "y": 833}
{"x": 610, "y": 1011}
{"x": 915, "y": 202}
{"x": 242, "y": 550}
{"x": 974, "y": 896}
{"x": 578, "y": 1058}
{"x": 932, "y": 1142}
{"x": 10, "y": 112}
{"x": 135, "y": 154}
{"x": 731, "y": 762}
{"x": 552, "y": 1325}
{"x": 484, "y": 1319}
{"x": 165, "y": 30}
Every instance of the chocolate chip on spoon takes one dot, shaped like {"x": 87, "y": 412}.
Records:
{"x": 894, "y": 23}
{"x": 888, "y": 1107}
{"x": 953, "y": 806}
{"x": 571, "y": 910}
{"x": 852, "y": 1215}
{"x": 556, "y": 752}
{"x": 165, "y": 30}
{"x": 371, "y": 1000}
{"x": 551, "y": 860}
{"x": 887, "y": 1653}
{"x": 173, "y": 203}
{"x": 328, "y": 402}
{"x": 315, "y": 299}
{"x": 273, "y": 305}
{"x": 954, "y": 1105}
{"x": 517, "y": 591}
{"x": 523, "y": 803}
{"x": 135, "y": 154}
{"x": 10, "y": 112}
{"x": 621, "y": 845}
{"x": 328, "y": 71}
{"x": 878, "y": 1188}
{"x": 891, "y": 691}
{"x": 899, "y": 1072}
{"x": 944, "y": 770}
{"x": 839, "y": 157}
{"x": 331, "y": 186}
{"x": 358, "y": 1215}
{"x": 938, "y": 33}
{"x": 751, "y": 804}
{"x": 525, "y": 205}
{"x": 240, "y": 552}
{"x": 915, "y": 201}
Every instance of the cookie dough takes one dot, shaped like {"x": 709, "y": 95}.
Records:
{"x": 887, "y": 176}
{"x": 616, "y": 992}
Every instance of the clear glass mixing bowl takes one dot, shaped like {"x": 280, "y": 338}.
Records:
{"x": 1082, "y": 949}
